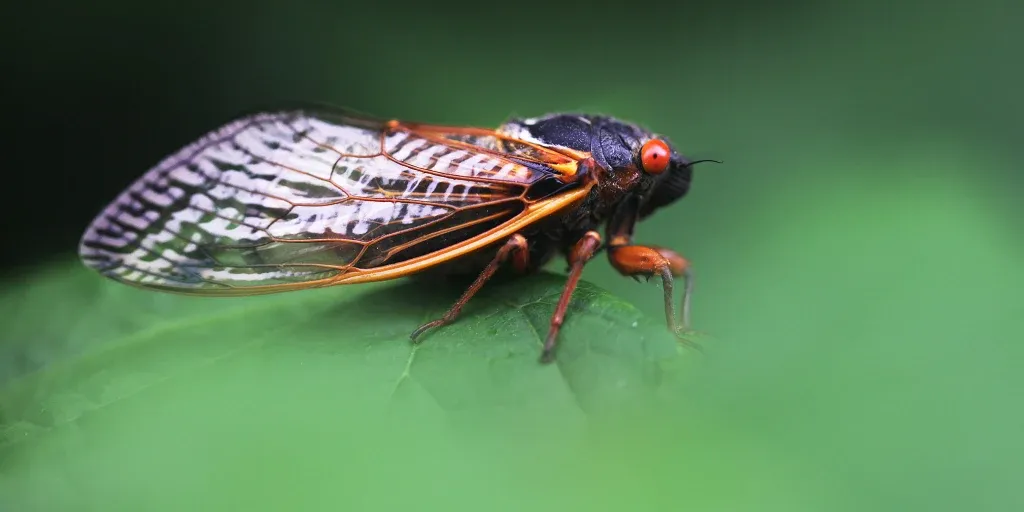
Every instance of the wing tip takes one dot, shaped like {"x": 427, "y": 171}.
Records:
{"x": 88, "y": 253}
{"x": 102, "y": 252}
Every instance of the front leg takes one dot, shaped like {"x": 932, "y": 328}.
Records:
{"x": 643, "y": 261}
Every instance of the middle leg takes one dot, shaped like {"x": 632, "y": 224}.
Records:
{"x": 581, "y": 253}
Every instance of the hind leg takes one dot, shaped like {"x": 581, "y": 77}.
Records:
{"x": 515, "y": 249}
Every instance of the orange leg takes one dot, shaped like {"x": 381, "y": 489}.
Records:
{"x": 516, "y": 248}
{"x": 581, "y": 253}
{"x": 638, "y": 260}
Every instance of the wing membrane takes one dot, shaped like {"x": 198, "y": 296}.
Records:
{"x": 300, "y": 198}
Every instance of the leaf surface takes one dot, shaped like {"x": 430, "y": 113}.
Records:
{"x": 77, "y": 346}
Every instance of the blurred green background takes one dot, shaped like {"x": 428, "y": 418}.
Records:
{"x": 858, "y": 255}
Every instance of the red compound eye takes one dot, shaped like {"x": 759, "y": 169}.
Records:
{"x": 654, "y": 156}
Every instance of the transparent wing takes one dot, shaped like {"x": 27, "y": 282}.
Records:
{"x": 293, "y": 199}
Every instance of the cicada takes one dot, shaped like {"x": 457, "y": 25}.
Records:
{"x": 311, "y": 197}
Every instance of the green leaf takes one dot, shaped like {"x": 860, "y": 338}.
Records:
{"x": 114, "y": 343}
{"x": 119, "y": 398}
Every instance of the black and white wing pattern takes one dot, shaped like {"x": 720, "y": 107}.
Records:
{"x": 300, "y": 198}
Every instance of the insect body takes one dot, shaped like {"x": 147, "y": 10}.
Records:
{"x": 296, "y": 199}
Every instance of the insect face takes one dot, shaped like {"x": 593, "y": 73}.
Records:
{"x": 671, "y": 183}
